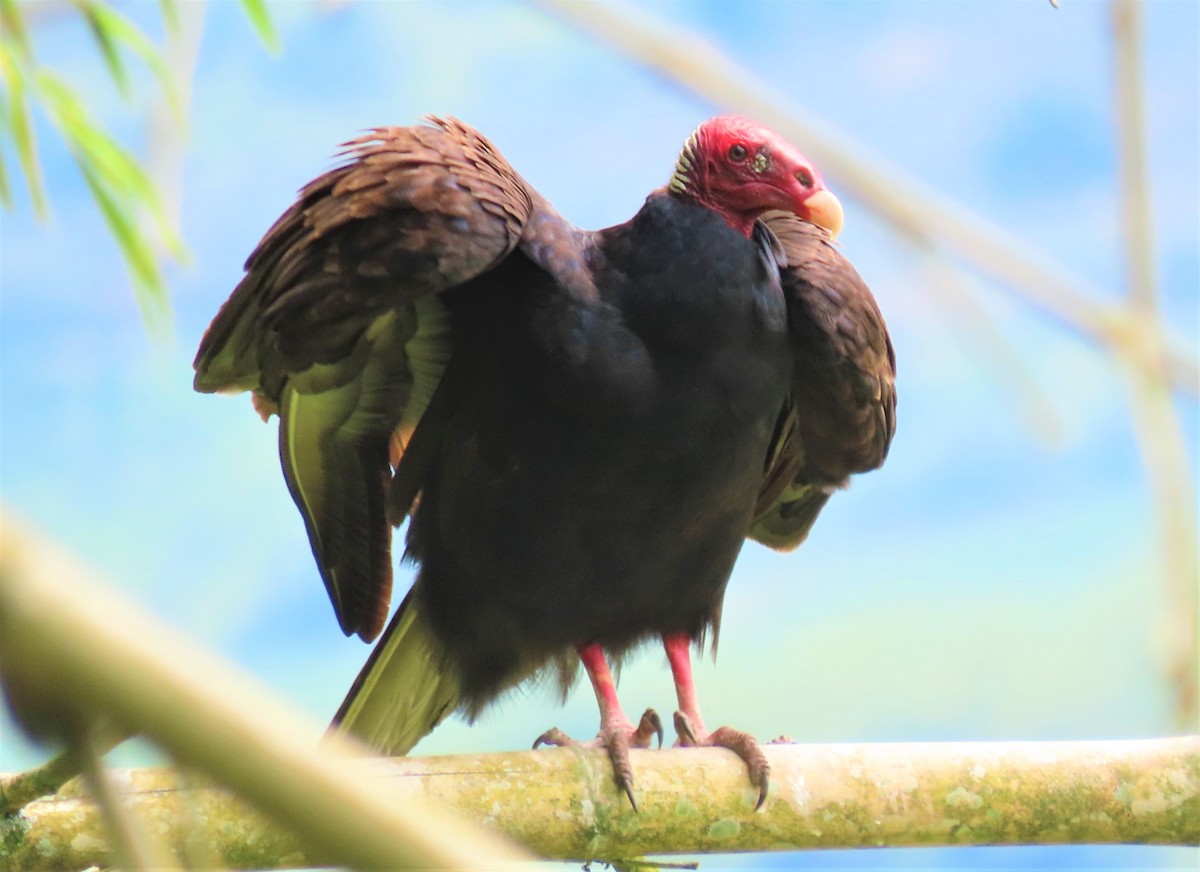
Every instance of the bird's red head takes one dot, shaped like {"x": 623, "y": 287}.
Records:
{"x": 740, "y": 170}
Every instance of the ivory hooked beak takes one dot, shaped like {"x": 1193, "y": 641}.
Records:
{"x": 825, "y": 210}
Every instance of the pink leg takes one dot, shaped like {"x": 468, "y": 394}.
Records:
{"x": 592, "y": 657}
{"x": 616, "y": 734}
{"x": 689, "y": 726}
{"x": 679, "y": 653}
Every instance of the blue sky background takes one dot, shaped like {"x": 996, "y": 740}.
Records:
{"x": 993, "y": 581}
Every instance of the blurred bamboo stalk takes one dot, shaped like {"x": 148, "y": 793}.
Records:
{"x": 907, "y": 205}
{"x": 1134, "y": 183}
{"x": 71, "y": 651}
{"x": 1156, "y": 422}
{"x": 562, "y": 803}
{"x": 133, "y": 847}
{"x": 959, "y": 306}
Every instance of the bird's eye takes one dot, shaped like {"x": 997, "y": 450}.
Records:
{"x": 737, "y": 152}
{"x": 804, "y": 177}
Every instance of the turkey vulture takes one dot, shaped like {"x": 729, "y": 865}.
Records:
{"x": 582, "y": 427}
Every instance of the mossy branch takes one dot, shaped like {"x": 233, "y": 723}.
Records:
{"x": 562, "y": 803}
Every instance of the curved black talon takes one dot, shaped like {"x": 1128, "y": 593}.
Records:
{"x": 762, "y": 789}
{"x": 650, "y": 724}
{"x": 616, "y": 742}
{"x": 685, "y": 731}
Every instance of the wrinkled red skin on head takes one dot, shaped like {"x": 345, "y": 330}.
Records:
{"x": 734, "y": 188}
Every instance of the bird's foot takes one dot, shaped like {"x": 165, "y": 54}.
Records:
{"x": 691, "y": 734}
{"x": 616, "y": 736}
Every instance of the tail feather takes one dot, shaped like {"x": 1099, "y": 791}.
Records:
{"x": 404, "y": 690}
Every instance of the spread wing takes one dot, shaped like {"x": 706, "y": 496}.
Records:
{"x": 841, "y": 411}
{"x": 337, "y": 328}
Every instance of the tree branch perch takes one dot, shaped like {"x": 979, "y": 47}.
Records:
{"x": 562, "y": 803}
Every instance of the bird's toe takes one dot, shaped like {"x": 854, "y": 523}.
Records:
{"x": 746, "y": 747}
{"x": 649, "y": 725}
{"x": 554, "y": 737}
{"x": 686, "y": 733}
{"x": 616, "y": 741}
{"x": 692, "y": 735}
{"x": 616, "y": 738}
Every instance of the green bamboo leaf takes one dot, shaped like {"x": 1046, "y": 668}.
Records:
{"x": 120, "y": 187}
{"x": 150, "y": 290}
{"x": 118, "y": 170}
{"x": 12, "y": 25}
{"x": 117, "y": 167}
{"x": 106, "y": 41}
{"x": 120, "y": 29}
{"x": 19, "y": 125}
{"x": 256, "y": 11}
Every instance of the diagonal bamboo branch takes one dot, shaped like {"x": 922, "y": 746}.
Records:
{"x": 960, "y": 306}
{"x": 563, "y": 804}
{"x": 71, "y": 650}
{"x": 909, "y": 206}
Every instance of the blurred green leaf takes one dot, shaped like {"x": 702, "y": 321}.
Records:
{"x": 121, "y": 189}
{"x": 70, "y": 115}
{"x": 256, "y": 11}
{"x": 119, "y": 30}
{"x": 12, "y": 26}
{"x": 116, "y": 167}
{"x": 18, "y": 124}
{"x": 107, "y": 43}
{"x": 151, "y": 291}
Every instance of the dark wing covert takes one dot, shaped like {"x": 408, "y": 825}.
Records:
{"x": 840, "y": 415}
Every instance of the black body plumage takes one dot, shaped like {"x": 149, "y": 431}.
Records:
{"x": 598, "y": 460}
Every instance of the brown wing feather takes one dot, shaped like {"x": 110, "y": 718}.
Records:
{"x": 841, "y": 412}
{"x": 414, "y": 210}
{"x": 337, "y": 328}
